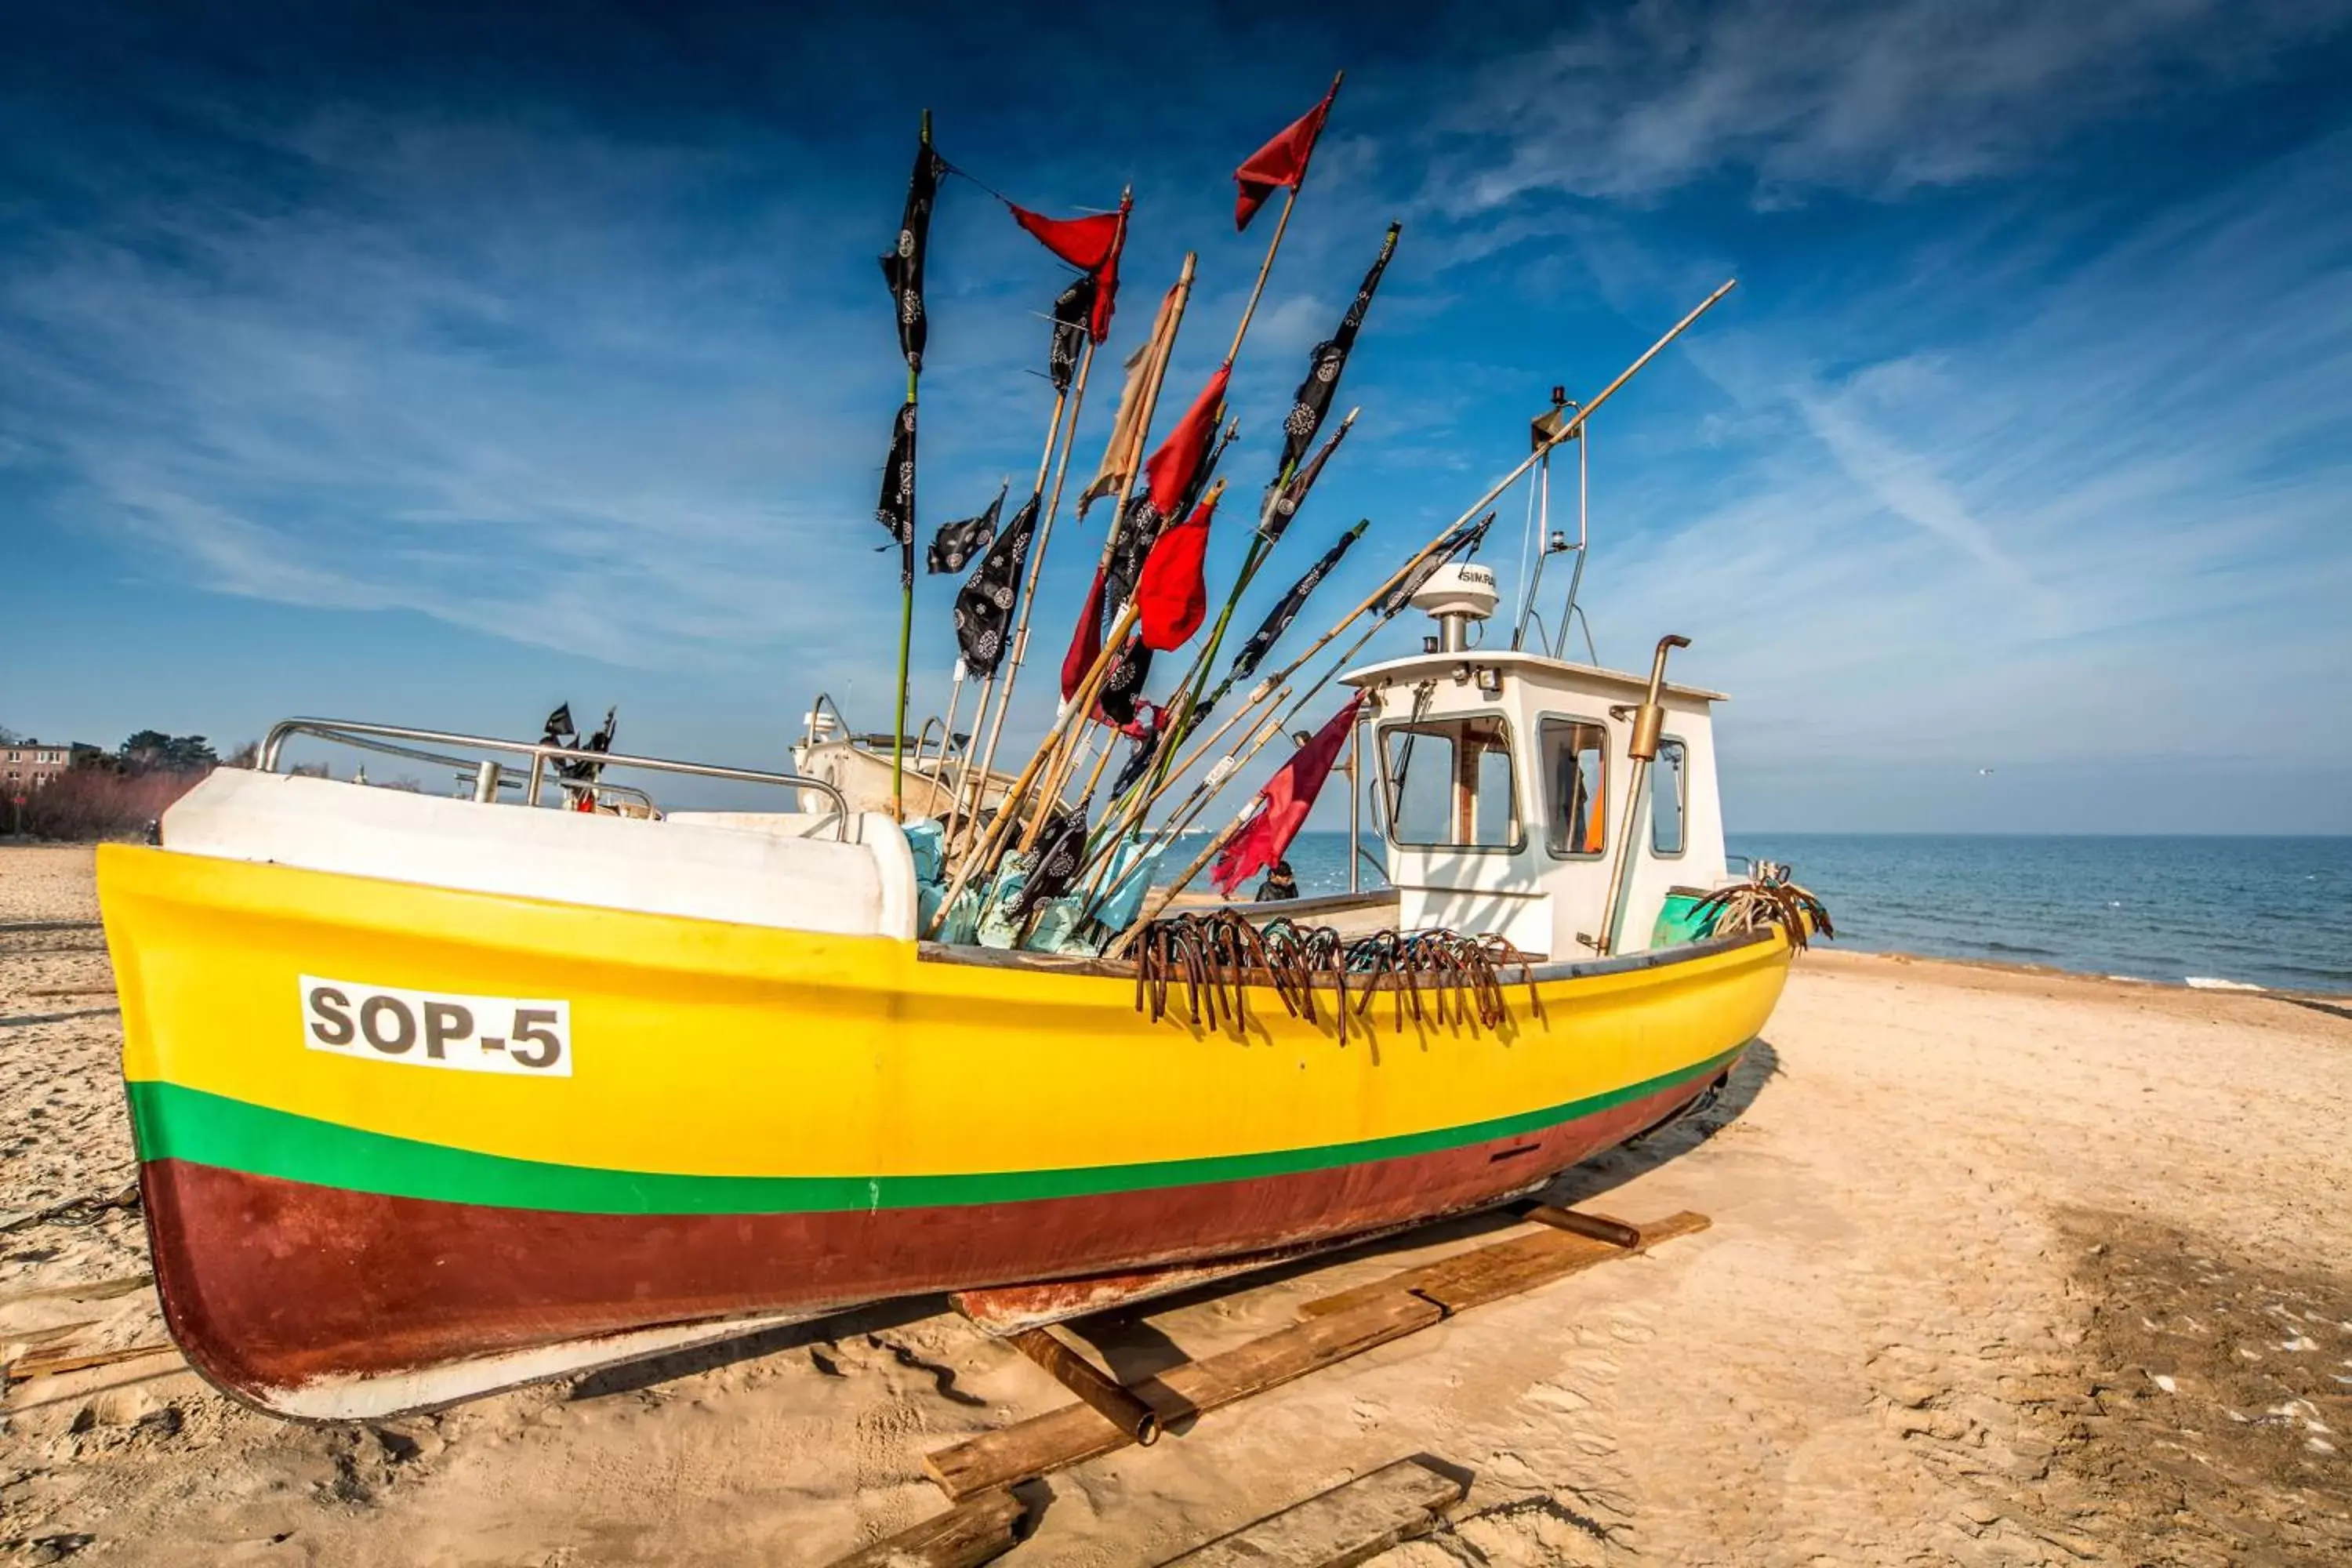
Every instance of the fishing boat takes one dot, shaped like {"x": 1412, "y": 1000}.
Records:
{"x": 433, "y": 1096}
{"x": 437, "y": 1095}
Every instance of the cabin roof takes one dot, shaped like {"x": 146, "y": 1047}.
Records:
{"x": 1535, "y": 669}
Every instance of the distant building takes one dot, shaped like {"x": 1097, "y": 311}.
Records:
{"x": 29, "y": 764}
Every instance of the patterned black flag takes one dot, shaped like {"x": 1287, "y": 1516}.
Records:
{"x": 1313, "y": 399}
{"x": 1277, "y": 621}
{"x": 1072, "y": 311}
{"x": 896, "y": 510}
{"x": 902, "y": 269}
{"x": 1122, "y": 688}
{"x": 1470, "y": 535}
{"x": 983, "y": 606}
{"x": 1060, "y": 853}
{"x": 1146, "y": 730}
{"x": 957, "y": 542}
{"x": 1285, "y": 506}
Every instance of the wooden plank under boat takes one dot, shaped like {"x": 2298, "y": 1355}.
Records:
{"x": 758, "y": 1124}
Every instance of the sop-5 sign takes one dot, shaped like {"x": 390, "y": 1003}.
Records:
{"x": 437, "y": 1029}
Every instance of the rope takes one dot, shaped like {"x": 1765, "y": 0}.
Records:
{"x": 1766, "y": 898}
{"x": 1439, "y": 977}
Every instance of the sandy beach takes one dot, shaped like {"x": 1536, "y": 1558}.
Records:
{"x": 2005, "y": 1267}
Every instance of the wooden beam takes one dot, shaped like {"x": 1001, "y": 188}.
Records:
{"x": 53, "y": 1363}
{"x": 1093, "y": 1386}
{"x": 1502, "y": 1269}
{"x": 1351, "y": 1523}
{"x": 975, "y": 1530}
{"x": 1074, "y": 1433}
{"x": 1599, "y": 1227}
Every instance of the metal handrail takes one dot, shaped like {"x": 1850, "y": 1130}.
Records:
{"x": 824, "y": 701}
{"x": 540, "y": 752}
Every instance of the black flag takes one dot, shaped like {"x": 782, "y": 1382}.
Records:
{"x": 896, "y": 510}
{"x": 1151, "y": 720}
{"x": 1059, "y": 855}
{"x": 1472, "y": 534}
{"x": 1278, "y": 620}
{"x": 560, "y": 731}
{"x": 1313, "y": 399}
{"x": 1072, "y": 311}
{"x": 1285, "y": 506}
{"x": 983, "y": 606}
{"x": 902, "y": 269}
{"x": 1122, "y": 688}
{"x": 957, "y": 542}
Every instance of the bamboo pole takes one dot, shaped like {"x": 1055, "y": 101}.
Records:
{"x": 999, "y": 830}
{"x": 1019, "y": 650}
{"x": 1074, "y": 399}
{"x": 1074, "y": 719}
{"x": 906, "y": 619}
{"x": 1289, "y": 200}
{"x": 1277, "y": 721}
{"x": 1058, "y": 775}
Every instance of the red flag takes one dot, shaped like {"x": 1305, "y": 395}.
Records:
{"x": 1168, "y": 473}
{"x": 1170, "y": 598}
{"x": 1086, "y": 243}
{"x": 1085, "y": 643}
{"x": 1280, "y": 163}
{"x": 1107, "y": 279}
{"x": 1285, "y": 800}
{"x": 1092, "y": 245}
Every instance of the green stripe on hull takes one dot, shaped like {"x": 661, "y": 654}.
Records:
{"x": 172, "y": 1122}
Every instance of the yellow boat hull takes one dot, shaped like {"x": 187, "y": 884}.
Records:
{"x": 651, "y": 1129}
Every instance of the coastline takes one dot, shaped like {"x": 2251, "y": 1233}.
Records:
{"x": 1829, "y": 956}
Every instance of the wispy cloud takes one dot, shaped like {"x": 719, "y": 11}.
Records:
{"x": 1876, "y": 98}
{"x": 509, "y": 376}
{"x": 2083, "y": 527}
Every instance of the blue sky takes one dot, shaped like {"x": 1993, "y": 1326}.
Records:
{"x": 438, "y": 365}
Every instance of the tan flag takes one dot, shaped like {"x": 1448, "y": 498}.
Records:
{"x": 1126, "y": 432}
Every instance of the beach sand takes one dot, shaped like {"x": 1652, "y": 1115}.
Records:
{"x": 2006, "y": 1268}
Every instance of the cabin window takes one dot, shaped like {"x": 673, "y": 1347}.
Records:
{"x": 1669, "y": 797}
{"x": 1449, "y": 784}
{"x": 1576, "y": 773}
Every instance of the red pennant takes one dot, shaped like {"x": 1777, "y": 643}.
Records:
{"x": 1169, "y": 472}
{"x": 1287, "y": 799}
{"x": 1281, "y": 163}
{"x": 1085, "y": 643}
{"x": 1170, "y": 597}
{"x": 1090, "y": 244}
{"x": 1107, "y": 281}
{"x": 1086, "y": 243}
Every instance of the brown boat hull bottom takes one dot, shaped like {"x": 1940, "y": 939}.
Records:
{"x": 271, "y": 1285}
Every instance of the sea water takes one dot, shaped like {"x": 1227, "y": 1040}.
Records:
{"x": 2274, "y": 912}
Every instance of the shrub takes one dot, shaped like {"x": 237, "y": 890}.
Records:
{"x": 99, "y": 803}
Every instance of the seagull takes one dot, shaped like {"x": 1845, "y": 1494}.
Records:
{"x": 1984, "y": 773}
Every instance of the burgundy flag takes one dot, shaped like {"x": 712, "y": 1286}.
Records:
{"x": 1284, "y": 804}
{"x": 1282, "y": 162}
{"x": 1086, "y": 642}
{"x": 1170, "y": 597}
{"x": 1169, "y": 472}
{"x": 1090, "y": 244}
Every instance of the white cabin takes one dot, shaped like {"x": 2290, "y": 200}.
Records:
{"x": 1503, "y": 786}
